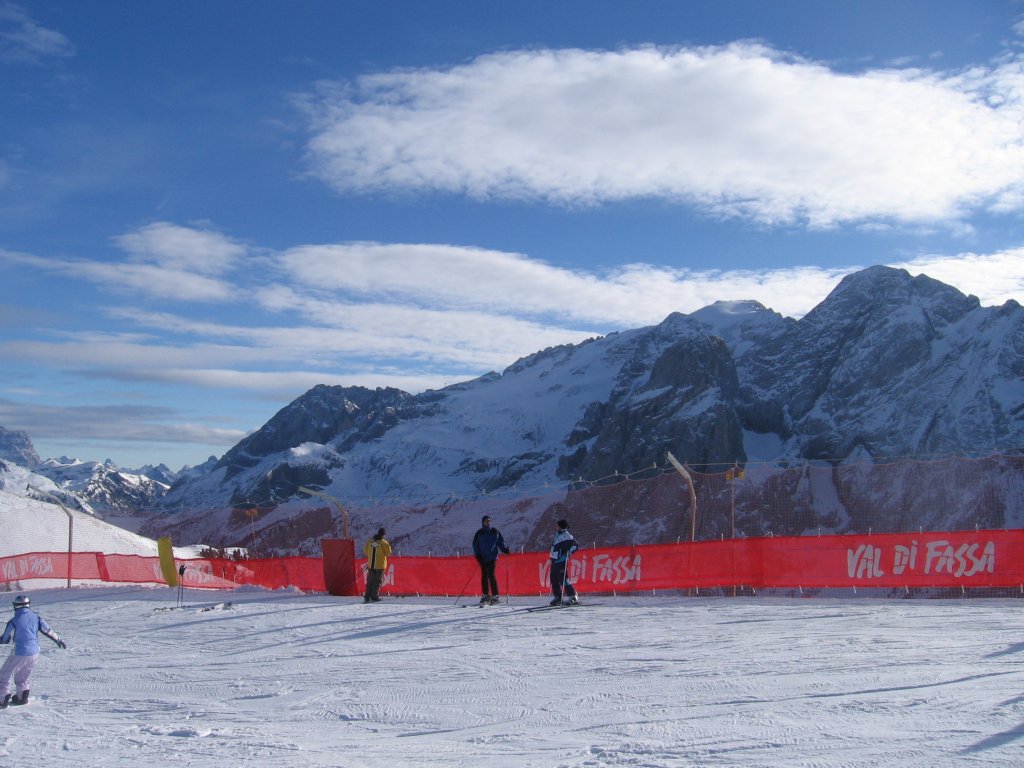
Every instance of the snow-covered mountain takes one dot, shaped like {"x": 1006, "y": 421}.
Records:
{"x": 160, "y": 473}
{"x": 548, "y": 418}
{"x": 103, "y": 486}
{"x": 16, "y": 447}
{"x": 32, "y": 522}
{"x": 15, "y": 480}
{"x": 890, "y": 365}
{"x": 887, "y": 365}
{"x": 96, "y": 487}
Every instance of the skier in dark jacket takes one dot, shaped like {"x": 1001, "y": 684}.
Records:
{"x": 23, "y": 629}
{"x": 487, "y": 542}
{"x": 563, "y": 545}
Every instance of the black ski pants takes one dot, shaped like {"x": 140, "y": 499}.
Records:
{"x": 374, "y": 579}
{"x": 558, "y": 581}
{"x": 488, "y": 581}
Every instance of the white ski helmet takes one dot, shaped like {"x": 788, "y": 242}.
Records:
{"x": 22, "y": 601}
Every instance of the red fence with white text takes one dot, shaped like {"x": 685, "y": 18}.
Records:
{"x": 944, "y": 560}
{"x": 964, "y": 559}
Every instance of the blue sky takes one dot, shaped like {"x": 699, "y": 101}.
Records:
{"x": 207, "y": 208}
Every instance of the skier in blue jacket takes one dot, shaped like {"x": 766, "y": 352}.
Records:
{"x": 487, "y": 542}
{"x": 23, "y": 629}
{"x": 563, "y": 545}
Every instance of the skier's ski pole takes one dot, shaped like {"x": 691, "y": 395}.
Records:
{"x": 565, "y": 573}
{"x": 464, "y": 588}
{"x": 506, "y": 582}
{"x": 181, "y": 584}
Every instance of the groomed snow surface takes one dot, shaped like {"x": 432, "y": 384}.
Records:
{"x": 293, "y": 680}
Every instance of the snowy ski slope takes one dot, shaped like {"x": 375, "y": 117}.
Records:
{"x": 286, "y": 679}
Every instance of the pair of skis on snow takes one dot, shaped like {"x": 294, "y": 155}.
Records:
{"x": 559, "y": 605}
{"x": 536, "y": 607}
{"x": 196, "y": 608}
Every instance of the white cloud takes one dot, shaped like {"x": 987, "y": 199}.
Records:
{"x": 182, "y": 248}
{"x": 109, "y": 423}
{"x": 440, "y": 275}
{"x": 145, "y": 279}
{"x": 22, "y": 40}
{"x": 167, "y": 262}
{"x": 498, "y": 283}
{"x": 336, "y": 332}
{"x": 155, "y": 281}
{"x": 739, "y": 130}
{"x": 429, "y": 292}
{"x": 994, "y": 278}
{"x": 98, "y": 352}
{"x": 284, "y": 384}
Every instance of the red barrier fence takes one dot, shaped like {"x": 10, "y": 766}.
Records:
{"x": 970, "y": 560}
{"x": 975, "y": 559}
{"x": 304, "y": 573}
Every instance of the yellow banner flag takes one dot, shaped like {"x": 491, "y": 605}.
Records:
{"x": 167, "y": 566}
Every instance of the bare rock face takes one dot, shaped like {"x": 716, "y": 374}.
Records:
{"x": 890, "y": 365}
{"x": 679, "y": 396}
{"x": 345, "y": 415}
{"x": 16, "y": 447}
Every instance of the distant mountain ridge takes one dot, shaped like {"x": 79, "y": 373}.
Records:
{"x": 105, "y": 487}
{"x": 887, "y": 365}
{"x": 95, "y": 486}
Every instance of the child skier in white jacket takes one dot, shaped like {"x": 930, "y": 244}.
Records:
{"x": 23, "y": 629}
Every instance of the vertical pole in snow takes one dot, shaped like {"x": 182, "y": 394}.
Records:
{"x": 693, "y": 507}
{"x": 565, "y": 575}
{"x": 693, "y": 494}
{"x": 71, "y": 524}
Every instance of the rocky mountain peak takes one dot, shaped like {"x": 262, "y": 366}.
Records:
{"x": 323, "y": 414}
{"x": 16, "y": 447}
{"x": 876, "y": 295}
{"x": 875, "y": 367}
{"x": 743, "y": 325}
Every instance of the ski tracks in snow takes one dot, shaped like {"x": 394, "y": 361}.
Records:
{"x": 311, "y": 680}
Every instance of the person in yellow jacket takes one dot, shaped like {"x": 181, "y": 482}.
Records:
{"x": 377, "y": 551}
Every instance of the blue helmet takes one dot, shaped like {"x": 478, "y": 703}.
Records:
{"x": 22, "y": 601}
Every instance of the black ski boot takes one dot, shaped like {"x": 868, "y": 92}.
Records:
{"x": 23, "y": 700}
{"x": 6, "y": 701}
